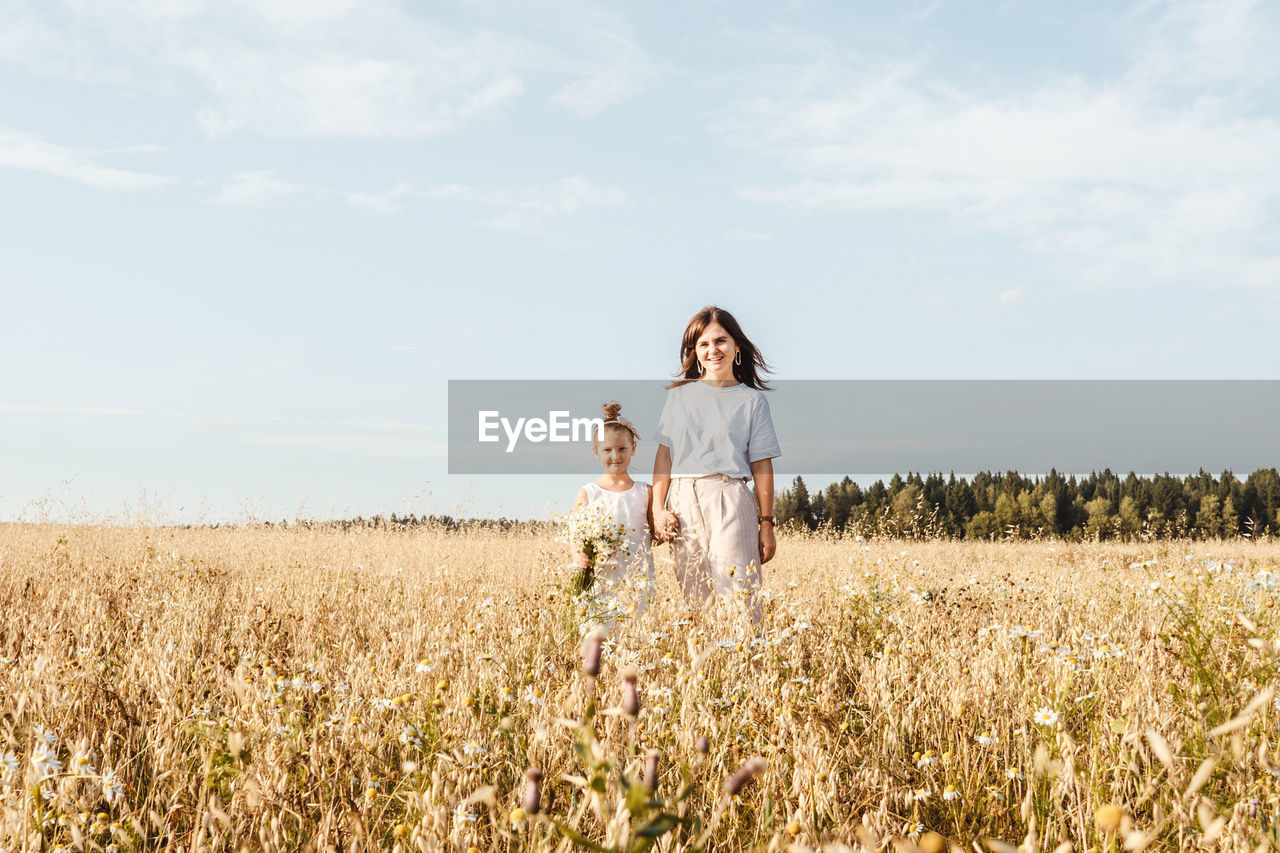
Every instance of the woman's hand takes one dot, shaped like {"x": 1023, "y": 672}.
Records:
{"x": 582, "y": 561}
{"x": 768, "y": 542}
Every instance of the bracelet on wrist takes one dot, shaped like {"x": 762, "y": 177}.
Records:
{"x": 768, "y": 518}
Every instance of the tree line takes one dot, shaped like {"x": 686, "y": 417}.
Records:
{"x": 994, "y": 506}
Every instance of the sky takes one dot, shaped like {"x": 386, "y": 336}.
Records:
{"x": 245, "y": 245}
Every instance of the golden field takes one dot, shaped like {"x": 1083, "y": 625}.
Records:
{"x": 280, "y": 689}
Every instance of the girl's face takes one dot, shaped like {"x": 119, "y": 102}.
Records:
{"x": 716, "y": 351}
{"x": 615, "y": 450}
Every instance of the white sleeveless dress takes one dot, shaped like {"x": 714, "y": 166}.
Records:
{"x": 624, "y": 581}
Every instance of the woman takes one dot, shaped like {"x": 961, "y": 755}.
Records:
{"x": 715, "y": 433}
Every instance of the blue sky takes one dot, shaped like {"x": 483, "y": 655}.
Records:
{"x": 246, "y": 244}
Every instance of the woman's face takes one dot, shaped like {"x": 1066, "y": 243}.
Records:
{"x": 715, "y": 351}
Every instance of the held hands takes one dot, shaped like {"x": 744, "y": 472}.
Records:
{"x": 665, "y": 524}
{"x": 768, "y": 542}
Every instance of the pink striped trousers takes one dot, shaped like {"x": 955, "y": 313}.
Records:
{"x": 717, "y": 549}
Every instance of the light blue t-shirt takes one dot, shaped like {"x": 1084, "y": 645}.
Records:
{"x": 715, "y": 430}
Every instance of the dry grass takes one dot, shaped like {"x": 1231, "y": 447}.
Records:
{"x": 278, "y": 689}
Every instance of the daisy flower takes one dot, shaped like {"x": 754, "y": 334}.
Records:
{"x": 112, "y": 787}
{"x": 1046, "y": 717}
{"x": 950, "y": 793}
{"x": 80, "y": 764}
{"x": 987, "y": 739}
{"x": 45, "y": 760}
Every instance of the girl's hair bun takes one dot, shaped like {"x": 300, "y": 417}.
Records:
{"x": 613, "y": 418}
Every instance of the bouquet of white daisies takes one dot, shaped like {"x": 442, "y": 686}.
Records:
{"x": 591, "y": 530}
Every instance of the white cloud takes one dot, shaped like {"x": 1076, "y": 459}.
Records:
{"x": 1125, "y": 181}
{"x": 529, "y": 210}
{"x": 330, "y": 68}
{"x": 595, "y": 92}
{"x": 250, "y": 189}
{"x": 284, "y": 67}
{"x": 25, "y": 151}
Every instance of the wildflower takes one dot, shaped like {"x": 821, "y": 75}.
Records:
{"x": 912, "y": 829}
{"x": 281, "y": 731}
{"x": 651, "y": 769}
{"x": 630, "y": 696}
{"x": 1046, "y": 717}
{"x": 591, "y": 653}
{"x": 1108, "y": 817}
{"x": 744, "y": 774}
{"x": 1265, "y": 579}
{"x": 932, "y": 842}
{"x": 533, "y": 790}
{"x": 45, "y": 760}
{"x": 112, "y": 787}
{"x": 8, "y": 763}
{"x": 473, "y": 748}
{"x": 660, "y": 692}
{"x": 533, "y": 695}
{"x": 1013, "y": 774}
{"x": 412, "y": 736}
{"x": 44, "y": 735}
{"x": 950, "y": 793}
{"x": 987, "y": 739}
{"x": 80, "y": 764}
{"x": 926, "y": 758}
{"x": 921, "y": 794}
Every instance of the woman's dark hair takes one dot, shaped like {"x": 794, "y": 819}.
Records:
{"x": 753, "y": 363}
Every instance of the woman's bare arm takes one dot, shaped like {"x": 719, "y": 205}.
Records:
{"x": 664, "y": 520}
{"x": 762, "y": 474}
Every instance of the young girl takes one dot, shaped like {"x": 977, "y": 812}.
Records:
{"x": 715, "y": 433}
{"x": 625, "y": 580}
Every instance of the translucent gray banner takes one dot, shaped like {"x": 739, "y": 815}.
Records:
{"x": 876, "y": 427}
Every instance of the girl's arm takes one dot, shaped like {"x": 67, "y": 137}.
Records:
{"x": 663, "y": 520}
{"x": 762, "y": 473}
{"x": 648, "y": 511}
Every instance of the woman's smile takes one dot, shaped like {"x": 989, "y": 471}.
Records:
{"x": 716, "y": 350}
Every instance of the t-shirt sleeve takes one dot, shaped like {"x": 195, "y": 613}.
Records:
{"x": 662, "y": 435}
{"x": 763, "y": 443}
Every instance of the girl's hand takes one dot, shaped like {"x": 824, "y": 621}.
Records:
{"x": 582, "y": 561}
{"x": 665, "y": 524}
{"x": 768, "y": 543}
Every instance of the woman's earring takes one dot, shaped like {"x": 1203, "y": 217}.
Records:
{"x": 737, "y": 359}
{"x": 701, "y": 368}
